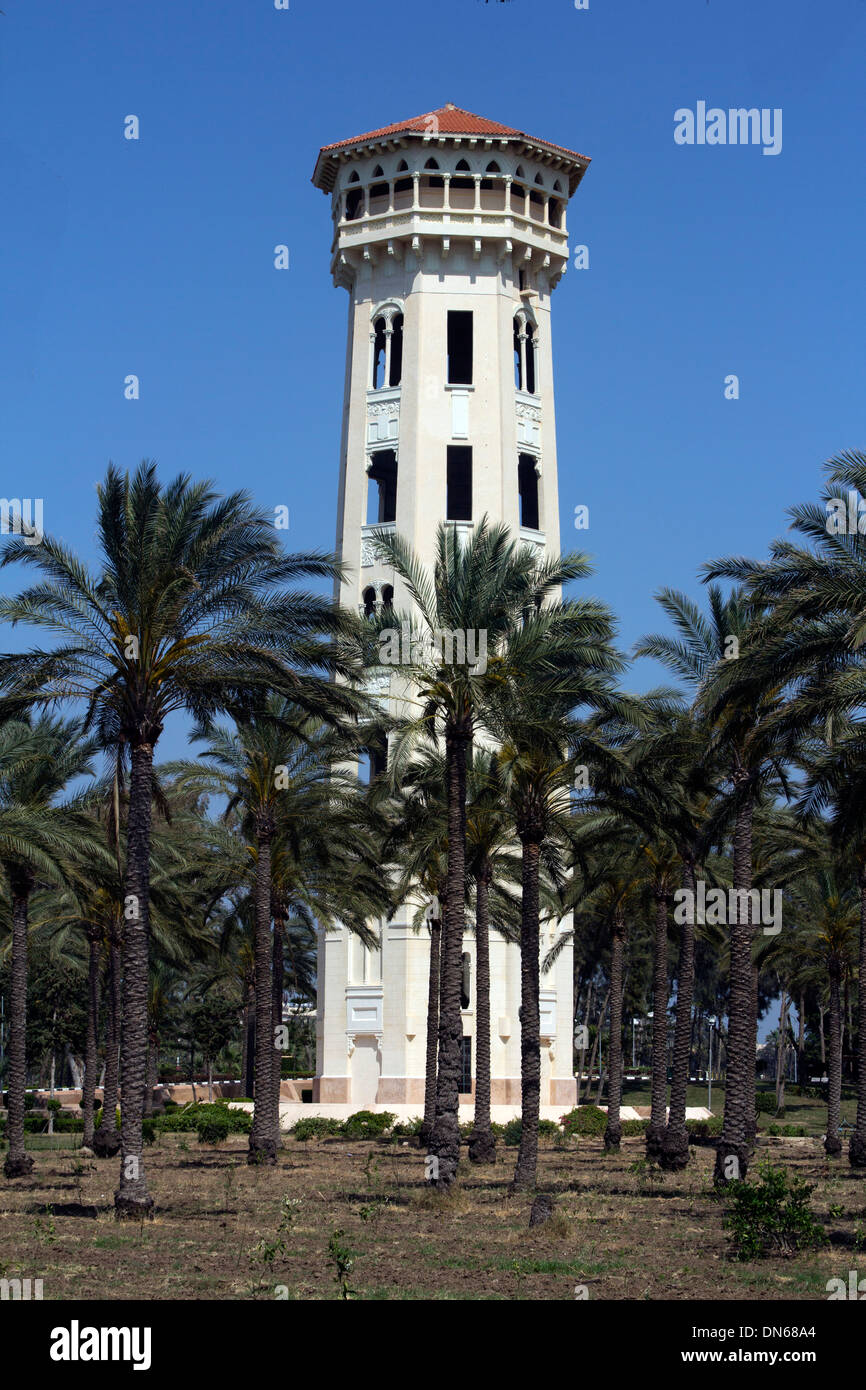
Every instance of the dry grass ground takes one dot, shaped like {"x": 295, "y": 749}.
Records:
{"x": 617, "y": 1231}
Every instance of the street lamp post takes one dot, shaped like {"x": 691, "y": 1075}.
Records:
{"x": 712, "y": 1023}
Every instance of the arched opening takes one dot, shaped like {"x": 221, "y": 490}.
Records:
{"x": 554, "y": 212}
{"x": 354, "y": 203}
{"x": 530, "y": 358}
{"x": 518, "y": 355}
{"x": 527, "y": 488}
{"x": 379, "y": 354}
{"x": 380, "y": 197}
{"x": 536, "y": 205}
{"x": 369, "y": 597}
{"x": 388, "y": 596}
{"x": 518, "y": 198}
{"x": 382, "y": 488}
{"x": 378, "y": 172}
{"x": 396, "y": 365}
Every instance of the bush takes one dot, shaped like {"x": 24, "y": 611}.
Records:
{"x": 704, "y": 1131}
{"x": 632, "y": 1128}
{"x": 407, "y": 1129}
{"x": 585, "y": 1119}
{"x": 148, "y": 1129}
{"x": 213, "y": 1128}
{"x": 365, "y": 1124}
{"x": 316, "y": 1127}
{"x": 772, "y": 1217}
{"x": 765, "y": 1103}
{"x": 192, "y": 1116}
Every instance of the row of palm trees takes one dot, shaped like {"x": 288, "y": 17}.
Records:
{"x": 533, "y": 789}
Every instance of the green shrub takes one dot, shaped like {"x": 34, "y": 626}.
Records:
{"x": 148, "y": 1129}
{"x": 765, "y": 1103}
{"x": 408, "y": 1129}
{"x": 585, "y": 1119}
{"x": 213, "y": 1128}
{"x": 53, "y": 1104}
{"x": 366, "y": 1124}
{"x": 316, "y": 1127}
{"x": 632, "y": 1128}
{"x": 703, "y": 1131}
{"x": 772, "y": 1216}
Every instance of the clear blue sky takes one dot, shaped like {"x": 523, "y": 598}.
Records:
{"x": 155, "y": 257}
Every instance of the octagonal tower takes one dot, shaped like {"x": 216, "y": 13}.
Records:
{"x": 450, "y": 236}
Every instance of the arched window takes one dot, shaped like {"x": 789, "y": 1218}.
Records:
{"x": 524, "y": 353}
{"x": 539, "y": 179}
{"x": 369, "y": 597}
{"x": 463, "y": 164}
{"x": 382, "y": 488}
{"x": 527, "y": 488}
{"x": 379, "y": 354}
{"x": 396, "y": 350}
{"x": 354, "y": 201}
{"x": 493, "y": 168}
{"x": 401, "y": 166}
{"x": 431, "y": 163}
{"x": 519, "y": 172}
{"x": 518, "y": 198}
{"x": 557, "y": 186}
{"x": 530, "y": 359}
{"x": 378, "y": 172}
{"x": 388, "y": 596}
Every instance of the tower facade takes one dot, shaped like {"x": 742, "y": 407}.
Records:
{"x": 449, "y": 236}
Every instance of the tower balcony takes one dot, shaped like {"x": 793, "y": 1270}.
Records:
{"x": 389, "y": 226}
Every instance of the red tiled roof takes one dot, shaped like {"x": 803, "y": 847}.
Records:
{"x": 445, "y": 120}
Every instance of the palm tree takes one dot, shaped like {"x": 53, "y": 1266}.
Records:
{"x": 297, "y": 817}
{"x": 188, "y": 612}
{"x": 567, "y": 661}
{"x": 478, "y": 591}
{"x": 39, "y": 839}
{"x": 812, "y": 641}
{"x": 739, "y": 697}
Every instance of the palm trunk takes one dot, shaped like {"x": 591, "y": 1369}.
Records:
{"x": 801, "y": 1037}
{"x": 526, "y": 1171}
{"x": 263, "y": 1143}
{"x": 613, "y": 1130}
{"x": 674, "y": 1153}
{"x": 18, "y": 1163}
{"x": 752, "y": 1071}
{"x": 781, "y": 1050}
{"x": 152, "y": 1071}
{"x": 432, "y": 1031}
{"x": 482, "y": 1145}
{"x": 106, "y": 1140}
{"x": 132, "y": 1198}
{"x": 857, "y": 1146}
{"x": 277, "y": 993}
{"x": 732, "y": 1151}
{"x": 832, "y": 1142}
{"x": 91, "y": 1045}
{"x": 659, "y": 1084}
{"x": 445, "y": 1139}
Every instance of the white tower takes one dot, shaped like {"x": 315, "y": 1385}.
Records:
{"x": 449, "y": 235}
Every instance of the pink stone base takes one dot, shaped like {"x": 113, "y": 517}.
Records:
{"x": 563, "y": 1092}
{"x": 331, "y": 1089}
{"x": 400, "y": 1090}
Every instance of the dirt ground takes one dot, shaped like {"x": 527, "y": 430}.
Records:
{"x": 222, "y": 1231}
